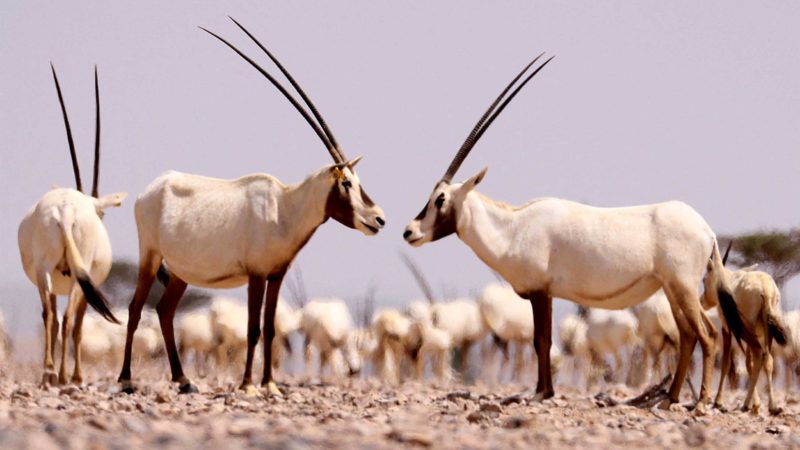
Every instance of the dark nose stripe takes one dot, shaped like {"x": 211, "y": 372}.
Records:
{"x": 406, "y": 234}
{"x": 380, "y": 221}
{"x": 367, "y": 201}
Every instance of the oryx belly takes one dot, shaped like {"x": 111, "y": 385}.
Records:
{"x": 212, "y": 233}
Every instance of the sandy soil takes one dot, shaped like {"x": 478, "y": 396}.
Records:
{"x": 363, "y": 414}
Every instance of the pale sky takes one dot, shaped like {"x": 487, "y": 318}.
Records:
{"x": 645, "y": 102}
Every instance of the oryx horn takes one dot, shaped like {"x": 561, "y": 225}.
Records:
{"x": 324, "y": 137}
{"x": 75, "y": 169}
{"x": 96, "y": 135}
{"x": 489, "y": 116}
{"x": 727, "y": 252}
{"x": 423, "y": 283}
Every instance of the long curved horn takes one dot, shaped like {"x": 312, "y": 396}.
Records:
{"x": 470, "y": 141}
{"x": 96, "y": 135}
{"x": 75, "y": 169}
{"x": 464, "y": 151}
{"x": 299, "y": 90}
{"x": 423, "y": 283}
{"x": 727, "y": 252}
{"x": 286, "y": 94}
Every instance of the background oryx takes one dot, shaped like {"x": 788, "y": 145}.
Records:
{"x": 225, "y": 233}
{"x": 65, "y": 250}
{"x": 599, "y": 257}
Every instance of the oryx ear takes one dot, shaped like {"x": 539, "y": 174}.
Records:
{"x": 110, "y": 200}
{"x": 352, "y": 163}
{"x": 474, "y": 180}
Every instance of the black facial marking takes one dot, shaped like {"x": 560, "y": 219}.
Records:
{"x": 445, "y": 223}
{"x": 339, "y": 208}
{"x": 367, "y": 201}
{"x": 439, "y": 201}
{"x": 422, "y": 213}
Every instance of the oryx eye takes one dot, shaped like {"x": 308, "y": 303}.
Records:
{"x": 347, "y": 184}
{"x": 439, "y": 201}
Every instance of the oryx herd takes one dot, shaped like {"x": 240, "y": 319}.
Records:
{"x": 649, "y": 277}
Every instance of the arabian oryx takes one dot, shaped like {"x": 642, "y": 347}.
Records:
{"x": 65, "y": 250}
{"x": 224, "y": 233}
{"x": 599, "y": 257}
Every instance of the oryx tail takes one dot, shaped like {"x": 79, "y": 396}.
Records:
{"x": 730, "y": 311}
{"x": 774, "y": 319}
{"x": 94, "y": 297}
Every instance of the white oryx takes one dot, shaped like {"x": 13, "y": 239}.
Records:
{"x": 225, "y": 233}
{"x": 65, "y": 250}
{"x": 609, "y": 258}
{"x": 759, "y": 300}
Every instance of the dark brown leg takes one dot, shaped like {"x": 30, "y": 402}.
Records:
{"x": 273, "y": 288}
{"x": 726, "y": 364}
{"x": 542, "y": 339}
{"x": 166, "y": 313}
{"x": 147, "y": 274}
{"x": 255, "y": 298}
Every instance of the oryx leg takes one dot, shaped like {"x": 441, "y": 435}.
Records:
{"x": 419, "y": 364}
{"x": 464, "y": 369}
{"x": 148, "y": 265}
{"x": 255, "y": 299}
{"x": 752, "y": 402}
{"x": 50, "y": 320}
{"x": 166, "y": 314}
{"x": 66, "y": 323}
{"x": 769, "y": 367}
{"x": 619, "y": 364}
{"x": 542, "y": 305}
{"x": 77, "y": 336}
{"x": 519, "y": 361}
{"x": 307, "y": 357}
{"x": 273, "y": 288}
{"x": 692, "y": 326}
{"x": 725, "y": 367}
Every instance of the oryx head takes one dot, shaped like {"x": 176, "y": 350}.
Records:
{"x": 439, "y": 216}
{"x": 100, "y": 203}
{"x": 347, "y": 201}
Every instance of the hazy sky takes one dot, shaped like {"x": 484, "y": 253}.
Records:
{"x": 646, "y": 101}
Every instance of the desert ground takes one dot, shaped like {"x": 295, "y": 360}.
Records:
{"x": 363, "y": 413}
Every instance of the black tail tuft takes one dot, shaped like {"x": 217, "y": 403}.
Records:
{"x": 162, "y": 275}
{"x": 776, "y": 330}
{"x": 96, "y": 299}
{"x": 734, "y": 319}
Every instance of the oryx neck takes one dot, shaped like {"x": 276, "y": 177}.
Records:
{"x": 485, "y": 226}
{"x": 304, "y": 202}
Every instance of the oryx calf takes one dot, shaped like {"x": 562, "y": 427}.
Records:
{"x": 225, "y": 233}
{"x": 759, "y": 300}
{"x": 609, "y": 258}
{"x": 65, "y": 250}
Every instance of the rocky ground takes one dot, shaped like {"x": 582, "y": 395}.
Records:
{"x": 363, "y": 414}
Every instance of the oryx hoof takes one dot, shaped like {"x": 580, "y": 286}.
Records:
{"x": 776, "y": 411}
{"x": 62, "y": 379}
{"x": 127, "y": 387}
{"x": 77, "y": 380}
{"x": 541, "y": 396}
{"x": 272, "y": 389}
{"x": 250, "y": 390}
{"x": 700, "y": 409}
{"x": 720, "y": 407}
{"x": 49, "y": 378}
{"x": 669, "y": 405}
{"x": 188, "y": 388}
